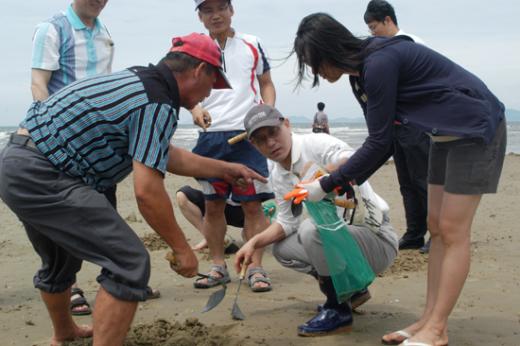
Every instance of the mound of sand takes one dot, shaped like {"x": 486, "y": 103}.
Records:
{"x": 164, "y": 333}
{"x": 407, "y": 261}
{"x": 153, "y": 242}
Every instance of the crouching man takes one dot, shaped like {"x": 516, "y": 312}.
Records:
{"x": 297, "y": 244}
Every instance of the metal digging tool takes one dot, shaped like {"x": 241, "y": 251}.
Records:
{"x": 215, "y": 298}
{"x": 236, "y": 313}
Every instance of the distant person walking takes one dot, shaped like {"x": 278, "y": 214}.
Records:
{"x": 321, "y": 120}
{"x": 411, "y": 145}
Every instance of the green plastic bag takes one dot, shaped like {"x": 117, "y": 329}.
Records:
{"x": 348, "y": 266}
{"x": 269, "y": 208}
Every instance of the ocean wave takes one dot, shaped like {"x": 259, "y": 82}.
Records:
{"x": 4, "y": 137}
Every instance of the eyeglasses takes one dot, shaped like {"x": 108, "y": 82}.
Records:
{"x": 208, "y": 11}
{"x": 271, "y": 132}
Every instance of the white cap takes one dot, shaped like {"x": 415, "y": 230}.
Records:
{"x": 198, "y": 3}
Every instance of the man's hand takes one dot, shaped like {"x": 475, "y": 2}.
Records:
{"x": 244, "y": 255}
{"x": 186, "y": 263}
{"x": 240, "y": 175}
{"x": 201, "y": 117}
{"x": 314, "y": 191}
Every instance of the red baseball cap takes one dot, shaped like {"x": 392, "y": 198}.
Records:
{"x": 202, "y": 47}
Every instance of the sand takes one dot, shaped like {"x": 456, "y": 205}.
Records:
{"x": 488, "y": 312}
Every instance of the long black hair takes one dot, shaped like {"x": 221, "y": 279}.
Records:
{"x": 321, "y": 38}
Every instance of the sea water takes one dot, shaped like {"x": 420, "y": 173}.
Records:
{"x": 353, "y": 133}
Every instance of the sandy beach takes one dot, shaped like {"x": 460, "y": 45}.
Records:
{"x": 488, "y": 312}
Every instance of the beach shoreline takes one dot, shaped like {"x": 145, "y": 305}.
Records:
{"x": 488, "y": 312}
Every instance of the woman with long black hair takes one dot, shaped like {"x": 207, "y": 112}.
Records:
{"x": 395, "y": 79}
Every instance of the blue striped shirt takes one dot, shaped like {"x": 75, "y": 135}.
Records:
{"x": 95, "y": 127}
{"x": 70, "y": 49}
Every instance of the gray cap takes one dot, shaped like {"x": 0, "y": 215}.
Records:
{"x": 261, "y": 116}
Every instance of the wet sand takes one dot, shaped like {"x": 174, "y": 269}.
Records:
{"x": 488, "y": 312}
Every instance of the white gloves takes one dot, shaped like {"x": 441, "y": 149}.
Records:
{"x": 314, "y": 190}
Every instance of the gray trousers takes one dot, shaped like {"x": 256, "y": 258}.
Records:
{"x": 68, "y": 222}
{"x": 303, "y": 250}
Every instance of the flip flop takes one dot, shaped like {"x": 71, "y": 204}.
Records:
{"x": 77, "y": 299}
{"x": 402, "y": 333}
{"x": 414, "y": 343}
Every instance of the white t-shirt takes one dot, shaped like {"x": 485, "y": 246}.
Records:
{"x": 243, "y": 60}
{"x": 323, "y": 150}
{"x": 416, "y": 39}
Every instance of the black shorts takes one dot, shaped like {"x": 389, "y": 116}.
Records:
{"x": 234, "y": 213}
{"x": 68, "y": 222}
{"x": 468, "y": 166}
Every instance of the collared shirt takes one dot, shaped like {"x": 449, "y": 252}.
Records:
{"x": 318, "y": 148}
{"x": 94, "y": 128}
{"x": 244, "y": 59}
{"x": 64, "y": 45}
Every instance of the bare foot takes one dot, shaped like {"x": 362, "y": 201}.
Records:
{"x": 83, "y": 331}
{"x": 203, "y": 244}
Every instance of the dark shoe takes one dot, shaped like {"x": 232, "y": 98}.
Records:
{"x": 408, "y": 244}
{"x": 152, "y": 293}
{"x": 231, "y": 248}
{"x": 327, "y": 321}
{"x": 426, "y": 248}
{"x": 359, "y": 298}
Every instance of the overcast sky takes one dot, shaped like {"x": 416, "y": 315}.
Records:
{"x": 482, "y": 36}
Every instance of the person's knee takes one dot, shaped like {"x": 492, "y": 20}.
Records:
{"x": 252, "y": 209}
{"x": 278, "y": 253}
{"x": 129, "y": 279}
{"x": 181, "y": 198}
{"x": 452, "y": 233}
{"x": 215, "y": 208}
{"x": 138, "y": 266}
{"x": 308, "y": 234}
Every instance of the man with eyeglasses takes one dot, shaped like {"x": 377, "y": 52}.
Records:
{"x": 297, "y": 244}
{"x": 221, "y": 115}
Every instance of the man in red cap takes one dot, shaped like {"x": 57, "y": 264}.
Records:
{"x": 247, "y": 65}
{"x": 87, "y": 137}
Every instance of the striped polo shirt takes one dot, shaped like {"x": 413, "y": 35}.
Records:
{"x": 64, "y": 45}
{"x": 94, "y": 127}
